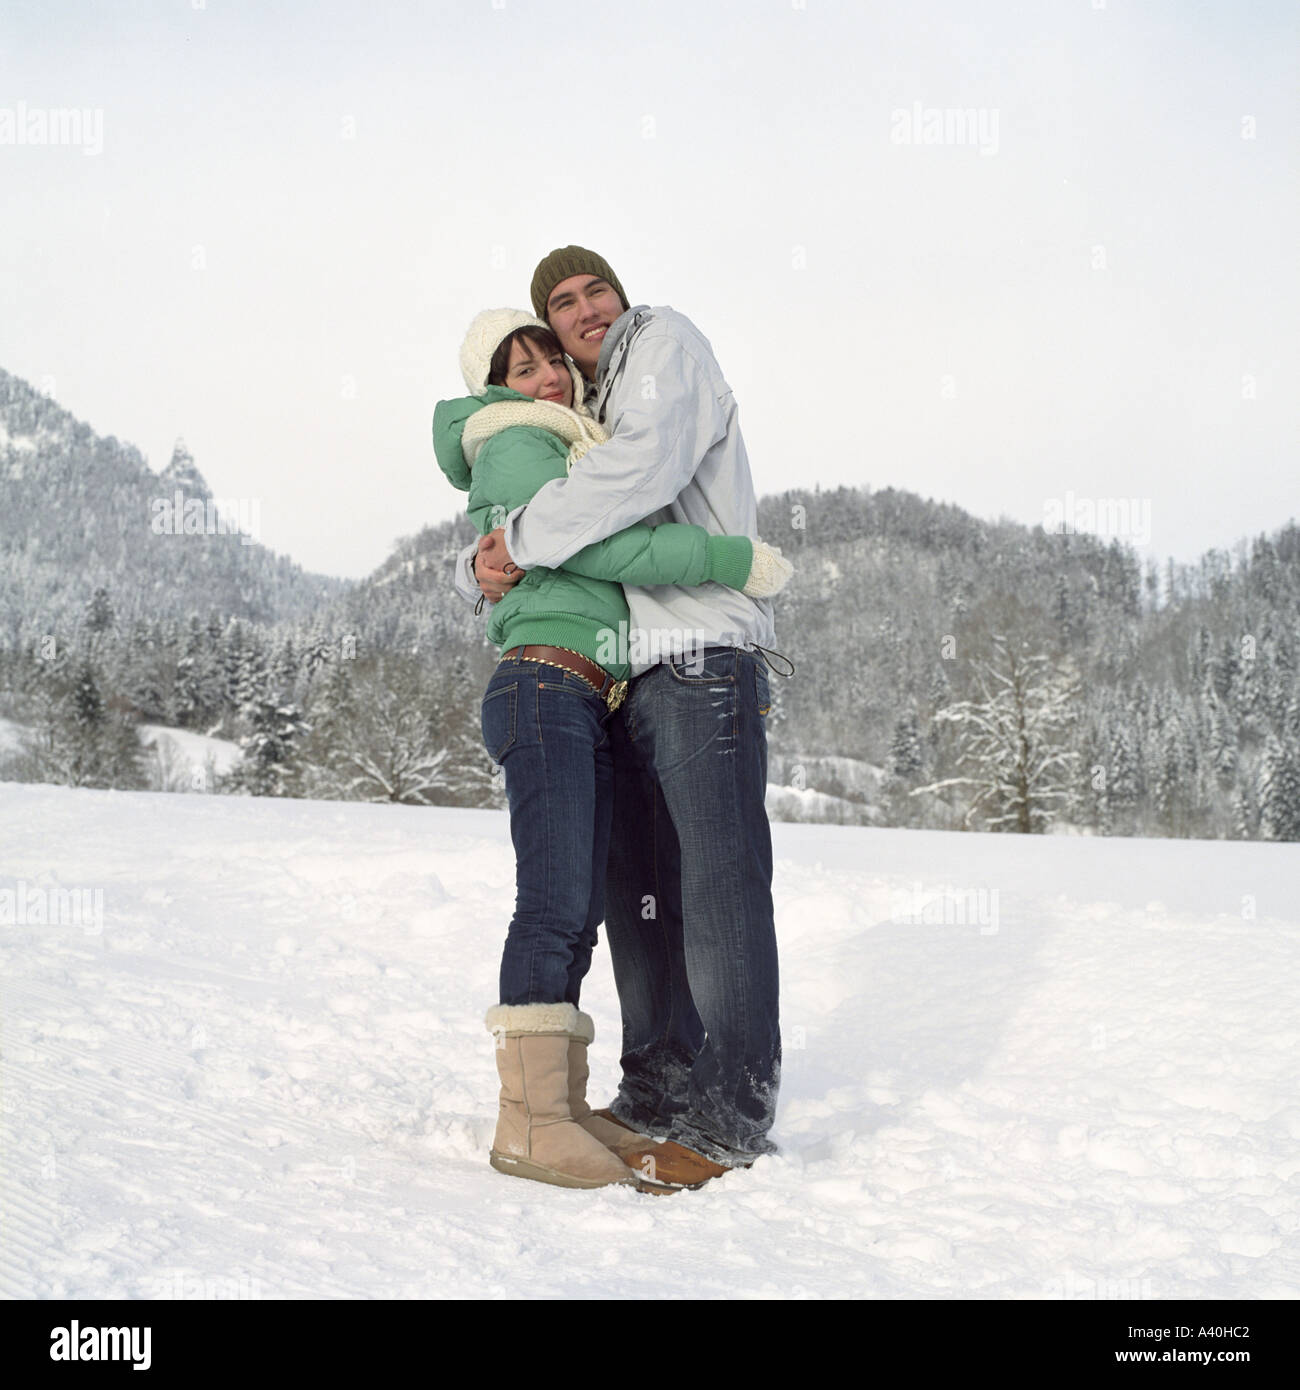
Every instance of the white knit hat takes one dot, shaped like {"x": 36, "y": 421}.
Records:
{"x": 485, "y": 335}
{"x": 488, "y": 331}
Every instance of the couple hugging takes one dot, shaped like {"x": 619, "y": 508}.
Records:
{"x": 607, "y": 477}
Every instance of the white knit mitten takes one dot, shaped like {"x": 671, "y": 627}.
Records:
{"x": 769, "y": 572}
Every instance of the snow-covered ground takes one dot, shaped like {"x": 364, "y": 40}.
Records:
{"x": 186, "y": 759}
{"x": 182, "y": 759}
{"x": 252, "y": 1063}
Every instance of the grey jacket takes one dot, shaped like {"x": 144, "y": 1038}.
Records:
{"x": 676, "y": 454}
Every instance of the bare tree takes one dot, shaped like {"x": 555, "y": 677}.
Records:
{"x": 1014, "y": 740}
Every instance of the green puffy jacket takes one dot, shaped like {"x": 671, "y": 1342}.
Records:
{"x": 580, "y": 605}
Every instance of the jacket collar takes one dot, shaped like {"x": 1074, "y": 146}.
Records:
{"x": 617, "y": 341}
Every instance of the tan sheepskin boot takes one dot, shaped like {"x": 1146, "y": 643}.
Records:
{"x": 536, "y": 1136}
{"x": 613, "y": 1136}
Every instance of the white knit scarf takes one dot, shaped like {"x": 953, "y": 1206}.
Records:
{"x": 579, "y": 428}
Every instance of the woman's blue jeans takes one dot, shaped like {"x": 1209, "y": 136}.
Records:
{"x": 548, "y": 730}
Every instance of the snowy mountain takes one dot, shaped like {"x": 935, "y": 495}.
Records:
{"x": 249, "y": 1061}
{"x": 183, "y": 473}
{"x": 79, "y": 512}
{"x": 410, "y": 604}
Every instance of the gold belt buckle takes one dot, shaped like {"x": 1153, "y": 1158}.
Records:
{"x": 615, "y": 695}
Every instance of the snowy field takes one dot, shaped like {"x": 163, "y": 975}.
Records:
{"x": 187, "y": 754}
{"x": 251, "y": 1062}
{"x": 176, "y": 759}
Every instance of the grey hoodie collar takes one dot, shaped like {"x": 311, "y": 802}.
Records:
{"x": 615, "y": 345}
{"x": 616, "y": 338}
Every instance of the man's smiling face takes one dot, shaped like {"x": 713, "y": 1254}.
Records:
{"x": 581, "y": 310}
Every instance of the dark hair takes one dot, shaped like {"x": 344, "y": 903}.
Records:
{"x": 539, "y": 337}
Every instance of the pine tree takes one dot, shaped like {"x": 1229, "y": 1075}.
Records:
{"x": 196, "y": 692}
{"x": 146, "y": 677}
{"x": 99, "y": 615}
{"x": 87, "y": 703}
{"x": 1221, "y": 735}
{"x": 316, "y": 650}
{"x": 76, "y": 740}
{"x": 1102, "y": 813}
{"x": 244, "y": 668}
{"x": 906, "y": 760}
{"x": 270, "y": 765}
{"x": 1123, "y": 782}
{"x": 939, "y": 692}
{"x": 1152, "y": 582}
{"x": 1225, "y": 668}
{"x": 1168, "y": 782}
{"x": 1200, "y": 655}
{"x": 905, "y": 755}
{"x": 1062, "y": 610}
{"x": 1245, "y": 815}
{"x": 1289, "y": 729}
{"x": 284, "y": 667}
{"x": 1279, "y": 792}
{"x": 1265, "y": 570}
{"x": 333, "y": 712}
{"x": 1246, "y": 699}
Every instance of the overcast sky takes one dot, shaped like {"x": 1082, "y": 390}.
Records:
{"x": 280, "y": 218}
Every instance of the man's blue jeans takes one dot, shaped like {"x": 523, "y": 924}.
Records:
{"x": 549, "y": 730}
{"x": 688, "y": 898}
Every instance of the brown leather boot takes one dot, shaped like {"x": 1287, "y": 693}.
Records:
{"x": 600, "y": 1124}
{"x": 536, "y": 1135}
{"x": 670, "y": 1167}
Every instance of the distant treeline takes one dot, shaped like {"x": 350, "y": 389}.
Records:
{"x": 949, "y": 672}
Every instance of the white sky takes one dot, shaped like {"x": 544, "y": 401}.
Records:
{"x": 926, "y": 316}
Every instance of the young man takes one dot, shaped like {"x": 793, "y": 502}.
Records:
{"x": 689, "y": 916}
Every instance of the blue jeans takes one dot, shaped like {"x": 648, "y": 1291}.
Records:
{"x": 548, "y": 729}
{"x": 689, "y": 906}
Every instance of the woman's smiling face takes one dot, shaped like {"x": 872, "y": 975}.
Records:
{"x": 537, "y": 373}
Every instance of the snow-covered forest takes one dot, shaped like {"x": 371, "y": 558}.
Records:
{"x": 950, "y": 673}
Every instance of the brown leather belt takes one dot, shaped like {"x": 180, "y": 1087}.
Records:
{"x": 611, "y": 691}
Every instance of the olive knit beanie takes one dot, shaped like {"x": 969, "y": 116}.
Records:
{"x": 570, "y": 260}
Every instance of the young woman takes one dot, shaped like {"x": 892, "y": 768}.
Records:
{"x": 563, "y": 672}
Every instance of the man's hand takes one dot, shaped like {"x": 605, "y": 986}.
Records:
{"x": 495, "y": 571}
